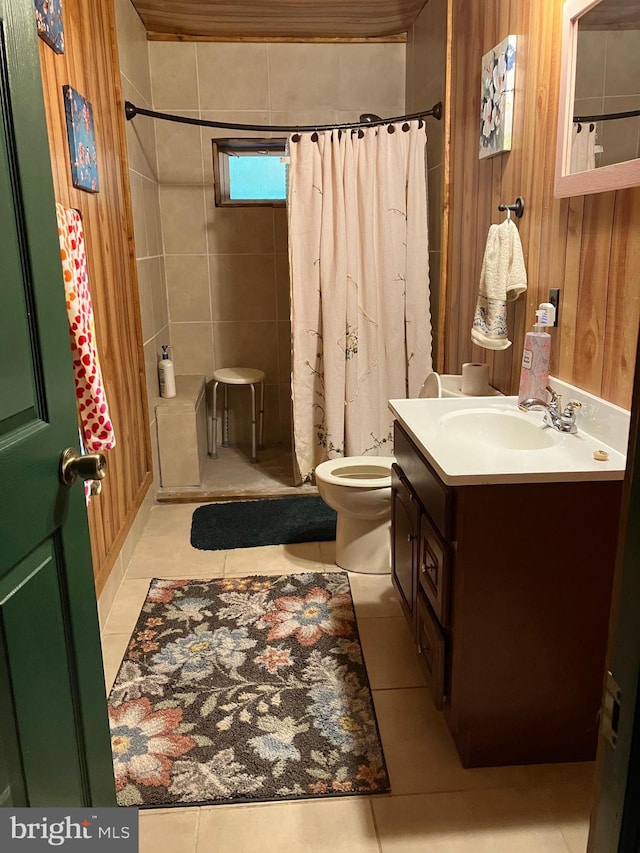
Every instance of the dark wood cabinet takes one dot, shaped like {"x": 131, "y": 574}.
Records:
{"x": 404, "y": 521}
{"x": 507, "y": 588}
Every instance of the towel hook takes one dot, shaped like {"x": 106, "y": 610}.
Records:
{"x": 517, "y": 207}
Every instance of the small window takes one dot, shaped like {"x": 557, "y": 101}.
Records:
{"x": 249, "y": 172}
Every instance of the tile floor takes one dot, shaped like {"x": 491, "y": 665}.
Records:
{"x": 435, "y": 806}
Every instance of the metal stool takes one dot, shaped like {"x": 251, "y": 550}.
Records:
{"x": 236, "y": 376}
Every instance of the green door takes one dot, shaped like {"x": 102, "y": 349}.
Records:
{"x": 54, "y": 739}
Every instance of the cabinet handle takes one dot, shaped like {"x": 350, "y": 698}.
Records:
{"x": 411, "y": 537}
{"x": 419, "y": 649}
{"x": 423, "y": 569}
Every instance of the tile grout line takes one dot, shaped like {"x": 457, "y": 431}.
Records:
{"x": 375, "y": 825}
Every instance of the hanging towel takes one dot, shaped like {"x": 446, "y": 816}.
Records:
{"x": 503, "y": 278}
{"x": 583, "y": 148}
{"x": 96, "y": 427}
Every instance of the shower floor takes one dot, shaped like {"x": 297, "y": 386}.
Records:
{"x": 233, "y": 477}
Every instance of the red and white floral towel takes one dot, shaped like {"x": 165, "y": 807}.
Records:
{"x": 96, "y": 427}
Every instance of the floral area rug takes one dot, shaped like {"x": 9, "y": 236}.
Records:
{"x": 243, "y": 690}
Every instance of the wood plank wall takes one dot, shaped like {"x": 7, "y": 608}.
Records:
{"x": 90, "y": 65}
{"x": 587, "y": 246}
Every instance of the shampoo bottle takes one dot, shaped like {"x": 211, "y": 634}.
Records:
{"x": 166, "y": 374}
{"x": 534, "y": 375}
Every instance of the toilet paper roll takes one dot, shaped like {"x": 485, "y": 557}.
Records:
{"x": 475, "y": 379}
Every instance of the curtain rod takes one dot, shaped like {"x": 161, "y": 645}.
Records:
{"x": 606, "y": 116}
{"x": 131, "y": 111}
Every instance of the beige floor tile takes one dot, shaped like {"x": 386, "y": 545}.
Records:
{"x": 173, "y": 557}
{"x": 504, "y": 820}
{"x": 321, "y": 826}
{"x": 569, "y": 792}
{"x": 172, "y": 831}
{"x": 113, "y": 649}
{"x": 127, "y": 606}
{"x": 389, "y": 653}
{"x": 328, "y": 552}
{"x": 549, "y": 775}
{"x": 274, "y": 559}
{"x": 374, "y": 596}
{"x": 171, "y": 520}
{"x": 420, "y": 753}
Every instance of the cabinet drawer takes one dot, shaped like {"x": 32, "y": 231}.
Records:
{"x": 434, "y": 495}
{"x": 431, "y": 649}
{"x": 434, "y": 568}
{"x": 404, "y": 541}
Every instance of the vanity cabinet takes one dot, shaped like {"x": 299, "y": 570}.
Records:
{"x": 507, "y": 589}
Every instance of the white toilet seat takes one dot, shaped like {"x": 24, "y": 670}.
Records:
{"x": 359, "y": 472}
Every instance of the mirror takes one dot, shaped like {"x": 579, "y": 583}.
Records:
{"x": 598, "y": 147}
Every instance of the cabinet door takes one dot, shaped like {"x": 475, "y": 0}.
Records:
{"x": 431, "y": 649}
{"x": 434, "y": 568}
{"x": 404, "y": 523}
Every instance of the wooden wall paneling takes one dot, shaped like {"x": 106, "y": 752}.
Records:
{"x": 278, "y": 17}
{"x": 584, "y": 246}
{"x": 396, "y": 38}
{"x": 505, "y": 186}
{"x": 446, "y": 191}
{"x": 621, "y": 327}
{"x": 89, "y": 64}
{"x": 463, "y": 176}
{"x": 556, "y": 277}
{"x": 595, "y": 249}
{"x": 486, "y": 211}
{"x": 542, "y": 73}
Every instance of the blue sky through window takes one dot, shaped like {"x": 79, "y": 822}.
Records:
{"x": 257, "y": 177}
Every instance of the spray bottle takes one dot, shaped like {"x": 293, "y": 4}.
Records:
{"x": 534, "y": 375}
{"x": 166, "y": 374}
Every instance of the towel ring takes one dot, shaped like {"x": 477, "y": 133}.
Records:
{"x": 517, "y": 207}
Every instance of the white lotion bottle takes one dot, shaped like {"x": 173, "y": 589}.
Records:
{"x": 166, "y": 374}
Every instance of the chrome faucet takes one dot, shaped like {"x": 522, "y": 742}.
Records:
{"x": 555, "y": 416}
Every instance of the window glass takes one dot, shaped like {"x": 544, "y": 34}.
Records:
{"x": 256, "y": 177}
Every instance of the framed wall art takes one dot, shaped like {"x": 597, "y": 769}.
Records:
{"x": 496, "y": 98}
{"x": 49, "y": 22}
{"x": 82, "y": 141}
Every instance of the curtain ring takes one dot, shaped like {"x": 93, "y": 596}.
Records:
{"x": 295, "y": 137}
{"x": 406, "y": 126}
{"x": 314, "y": 136}
{"x": 592, "y": 127}
{"x": 579, "y": 130}
{"x": 390, "y": 128}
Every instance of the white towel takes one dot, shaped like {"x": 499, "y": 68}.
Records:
{"x": 503, "y": 278}
{"x": 583, "y": 148}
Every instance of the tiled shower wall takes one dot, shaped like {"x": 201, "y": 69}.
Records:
{"x": 227, "y": 268}
{"x": 133, "y": 50}
{"x": 608, "y": 81}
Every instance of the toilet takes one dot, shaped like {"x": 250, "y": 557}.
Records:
{"x": 359, "y": 489}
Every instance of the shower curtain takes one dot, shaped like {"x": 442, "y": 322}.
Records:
{"x": 358, "y": 253}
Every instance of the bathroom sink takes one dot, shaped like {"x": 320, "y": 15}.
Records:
{"x": 503, "y": 429}
{"x": 470, "y": 441}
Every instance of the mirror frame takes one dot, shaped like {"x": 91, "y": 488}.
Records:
{"x": 614, "y": 177}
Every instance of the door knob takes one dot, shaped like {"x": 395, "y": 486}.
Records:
{"x": 90, "y": 466}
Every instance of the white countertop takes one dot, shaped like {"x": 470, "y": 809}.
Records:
{"x": 569, "y": 457}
